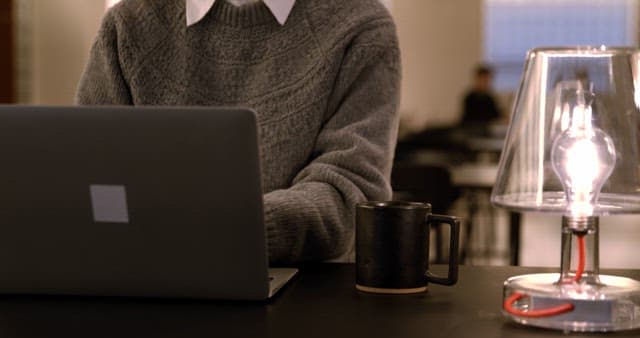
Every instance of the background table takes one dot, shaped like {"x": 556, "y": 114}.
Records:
{"x": 478, "y": 180}
{"x": 320, "y": 302}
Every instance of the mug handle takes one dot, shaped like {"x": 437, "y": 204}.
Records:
{"x": 454, "y": 223}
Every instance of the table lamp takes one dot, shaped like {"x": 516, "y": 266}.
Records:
{"x": 573, "y": 148}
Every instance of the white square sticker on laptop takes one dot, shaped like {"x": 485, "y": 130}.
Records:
{"x": 109, "y": 203}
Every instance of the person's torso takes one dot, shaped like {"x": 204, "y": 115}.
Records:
{"x": 242, "y": 57}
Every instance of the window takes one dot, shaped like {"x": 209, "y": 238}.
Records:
{"x": 511, "y": 27}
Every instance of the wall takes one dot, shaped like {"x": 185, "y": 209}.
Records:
{"x": 441, "y": 42}
{"x": 62, "y": 34}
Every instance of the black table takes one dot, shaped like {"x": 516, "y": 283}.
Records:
{"x": 320, "y": 302}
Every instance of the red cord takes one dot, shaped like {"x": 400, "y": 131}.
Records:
{"x": 552, "y": 311}
{"x": 581, "y": 259}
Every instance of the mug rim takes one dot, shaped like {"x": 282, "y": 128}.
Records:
{"x": 394, "y": 205}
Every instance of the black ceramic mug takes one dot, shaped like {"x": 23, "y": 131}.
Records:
{"x": 392, "y": 247}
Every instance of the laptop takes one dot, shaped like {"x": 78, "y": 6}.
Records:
{"x": 130, "y": 201}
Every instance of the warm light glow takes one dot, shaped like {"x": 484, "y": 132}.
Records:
{"x": 583, "y": 157}
{"x": 582, "y": 165}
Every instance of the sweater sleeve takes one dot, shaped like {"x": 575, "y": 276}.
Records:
{"x": 103, "y": 82}
{"x": 351, "y": 163}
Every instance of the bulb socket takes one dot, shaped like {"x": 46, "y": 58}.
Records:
{"x": 580, "y": 225}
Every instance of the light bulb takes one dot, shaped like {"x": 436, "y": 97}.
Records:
{"x": 583, "y": 157}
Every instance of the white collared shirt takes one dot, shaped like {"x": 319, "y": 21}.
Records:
{"x": 197, "y": 9}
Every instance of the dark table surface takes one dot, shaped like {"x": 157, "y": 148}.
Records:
{"x": 320, "y": 302}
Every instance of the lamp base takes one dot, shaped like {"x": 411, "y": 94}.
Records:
{"x": 609, "y": 304}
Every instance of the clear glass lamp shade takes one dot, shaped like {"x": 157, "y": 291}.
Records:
{"x": 573, "y": 145}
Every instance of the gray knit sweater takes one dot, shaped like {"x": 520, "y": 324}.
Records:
{"x": 325, "y": 88}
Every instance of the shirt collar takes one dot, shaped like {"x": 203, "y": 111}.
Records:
{"x": 197, "y": 9}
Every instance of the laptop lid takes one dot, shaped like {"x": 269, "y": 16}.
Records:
{"x": 131, "y": 202}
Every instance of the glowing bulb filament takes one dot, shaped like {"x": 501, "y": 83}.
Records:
{"x": 583, "y": 158}
{"x": 582, "y": 165}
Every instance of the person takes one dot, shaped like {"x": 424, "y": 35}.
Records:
{"x": 322, "y": 75}
{"x": 479, "y": 107}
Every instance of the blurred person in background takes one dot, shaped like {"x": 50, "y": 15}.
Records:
{"x": 479, "y": 106}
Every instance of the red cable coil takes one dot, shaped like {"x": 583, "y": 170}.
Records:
{"x": 552, "y": 311}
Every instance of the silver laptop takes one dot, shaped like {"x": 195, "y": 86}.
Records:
{"x": 124, "y": 201}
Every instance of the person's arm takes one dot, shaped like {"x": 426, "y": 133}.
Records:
{"x": 352, "y": 159}
{"x": 102, "y": 82}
